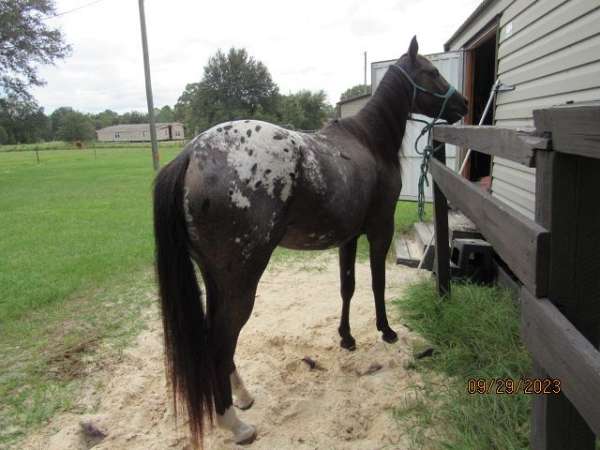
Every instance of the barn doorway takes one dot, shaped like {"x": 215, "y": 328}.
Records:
{"x": 480, "y": 75}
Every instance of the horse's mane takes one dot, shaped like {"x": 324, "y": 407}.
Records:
{"x": 381, "y": 123}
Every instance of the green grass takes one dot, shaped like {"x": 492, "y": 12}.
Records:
{"x": 475, "y": 334}
{"x": 71, "y": 222}
{"x": 76, "y": 239}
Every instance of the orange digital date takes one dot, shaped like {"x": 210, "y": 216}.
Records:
{"x": 509, "y": 386}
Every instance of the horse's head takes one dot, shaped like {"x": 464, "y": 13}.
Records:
{"x": 431, "y": 94}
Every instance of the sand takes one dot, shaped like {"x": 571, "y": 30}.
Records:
{"x": 345, "y": 403}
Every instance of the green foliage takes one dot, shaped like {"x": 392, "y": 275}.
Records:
{"x": 355, "y": 91}
{"x": 236, "y": 86}
{"x": 304, "y": 110}
{"x": 105, "y": 119}
{"x": 23, "y": 120}
{"x": 165, "y": 114}
{"x": 3, "y": 136}
{"x": 75, "y": 126}
{"x": 26, "y": 41}
{"x": 475, "y": 334}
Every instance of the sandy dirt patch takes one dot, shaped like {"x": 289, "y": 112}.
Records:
{"x": 341, "y": 406}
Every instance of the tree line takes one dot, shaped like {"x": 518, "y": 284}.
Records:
{"x": 24, "y": 122}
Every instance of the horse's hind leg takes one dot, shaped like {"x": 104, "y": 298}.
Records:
{"x": 347, "y": 255}
{"x": 229, "y": 316}
{"x": 230, "y": 310}
{"x": 241, "y": 397}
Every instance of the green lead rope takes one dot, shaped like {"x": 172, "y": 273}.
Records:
{"x": 428, "y": 150}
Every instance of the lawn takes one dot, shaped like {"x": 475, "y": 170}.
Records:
{"x": 76, "y": 250}
{"x": 475, "y": 335}
{"x": 76, "y": 269}
{"x": 71, "y": 222}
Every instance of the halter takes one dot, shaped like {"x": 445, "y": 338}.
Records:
{"x": 429, "y": 149}
{"x": 451, "y": 90}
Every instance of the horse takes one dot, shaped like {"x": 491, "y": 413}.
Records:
{"x": 240, "y": 189}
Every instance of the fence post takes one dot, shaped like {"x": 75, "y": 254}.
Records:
{"x": 440, "y": 215}
{"x": 567, "y": 189}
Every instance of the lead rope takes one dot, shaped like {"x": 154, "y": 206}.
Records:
{"x": 428, "y": 150}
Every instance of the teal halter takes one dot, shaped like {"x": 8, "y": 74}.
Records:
{"x": 451, "y": 90}
{"x": 429, "y": 149}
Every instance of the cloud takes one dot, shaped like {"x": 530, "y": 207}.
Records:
{"x": 306, "y": 45}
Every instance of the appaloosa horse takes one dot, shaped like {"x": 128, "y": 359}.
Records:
{"x": 240, "y": 189}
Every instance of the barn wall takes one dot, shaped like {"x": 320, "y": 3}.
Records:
{"x": 550, "y": 52}
{"x": 351, "y": 107}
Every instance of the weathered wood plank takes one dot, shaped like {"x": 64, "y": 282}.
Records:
{"x": 440, "y": 220}
{"x": 522, "y": 243}
{"x": 564, "y": 353}
{"x": 565, "y": 198}
{"x": 575, "y": 128}
{"x": 516, "y": 144}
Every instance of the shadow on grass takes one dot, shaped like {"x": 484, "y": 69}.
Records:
{"x": 475, "y": 334}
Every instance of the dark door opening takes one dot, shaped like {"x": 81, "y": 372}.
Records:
{"x": 480, "y": 75}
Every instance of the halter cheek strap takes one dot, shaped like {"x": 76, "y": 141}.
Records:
{"x": 416, "y": 87}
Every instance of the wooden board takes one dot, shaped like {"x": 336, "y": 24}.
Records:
{"x": 440, "y": 221}
{"x": 520, "y": 242}
{"x": 518, "y": 145}
{"x": 567, "y": 186}
{"x": 575, "y": 129}
{"x": 564, "y": 353}
{"x": 403, "y": 254}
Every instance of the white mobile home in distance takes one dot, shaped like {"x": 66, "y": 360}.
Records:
{"x": 141, "y": 132}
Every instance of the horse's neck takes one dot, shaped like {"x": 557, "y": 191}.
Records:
{"x": 383, "y": 118}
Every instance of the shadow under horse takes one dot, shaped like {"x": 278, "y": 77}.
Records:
{"x": 240, "y": 189}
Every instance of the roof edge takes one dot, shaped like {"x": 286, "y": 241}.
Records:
{"x": 483, "y": 5}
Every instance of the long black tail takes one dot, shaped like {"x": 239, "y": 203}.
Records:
{"x": 187, "y": 348}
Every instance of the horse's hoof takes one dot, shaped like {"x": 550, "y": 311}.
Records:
{"x": 247, "y": 436}
{"x": 348, "y": 343}
{"x": 244, "y": 404}
{"x": 389, "y": 336}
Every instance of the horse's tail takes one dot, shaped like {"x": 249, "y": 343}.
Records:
{"x": 189, "y": 365}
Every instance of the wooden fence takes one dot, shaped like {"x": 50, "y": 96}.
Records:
{"x": 556, "y": 257}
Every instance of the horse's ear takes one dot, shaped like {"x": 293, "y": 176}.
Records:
{"x": 413, "y": 50}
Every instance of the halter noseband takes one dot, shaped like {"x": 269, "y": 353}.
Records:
{"x": 451, "y": 90}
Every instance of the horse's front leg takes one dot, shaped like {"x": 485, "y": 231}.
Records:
{"x": 380, "y": 238}
{"x": 347, "y": 260}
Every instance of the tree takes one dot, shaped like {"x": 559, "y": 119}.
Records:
{"x": 76, "y": 126}
{"x": 23, "y": 121}
{"x": 134, "y": 117}
{"x": 234, "y": 86}
{"x": 57, "y": 119}
{"x": 355, "y": 91}
{"x": 105, "y": 119}
{"x": 165, "y": 114}
{"x": 3, "y": 136}
{"x": 304, "y": 110}
{"x": 26, "y": 41}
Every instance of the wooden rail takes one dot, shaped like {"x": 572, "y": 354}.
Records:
{"x": 518, "y": 145}
{"x": 525, "y": 248}
{"x": 556, "y": 257}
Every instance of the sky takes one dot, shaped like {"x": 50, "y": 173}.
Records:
{"x": 308, "y": 44}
